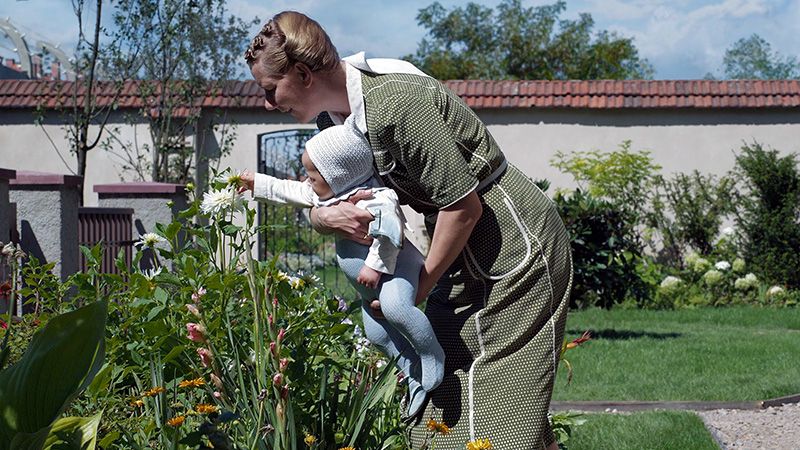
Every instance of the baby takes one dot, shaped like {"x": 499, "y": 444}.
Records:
{"x": 338, "y": 162}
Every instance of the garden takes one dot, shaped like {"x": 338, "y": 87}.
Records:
{"x": 687, "y": 284}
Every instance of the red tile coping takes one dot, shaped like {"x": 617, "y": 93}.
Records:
{"x": 591, "y": 94}
{"x": 139, "y": 187}
{"x": 29, "y": 177}
{"x": 7, "y": 174}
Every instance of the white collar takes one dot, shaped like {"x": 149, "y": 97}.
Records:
{"x": 357, "y": 63}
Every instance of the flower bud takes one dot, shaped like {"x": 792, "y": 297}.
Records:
{"x": 193, "y": 309}
{"x": 196, "y": 332}
{"x": 285, "y": 392}
{"x": 216, "y": 381}
{"x": 284, "y": 362}
{"x": 277, "y": 379}
{"x": 196, "y": 296}
{"x": 281, "y": 335}
{"x": 273, "y": 348}
{"x": 205, "y": 356}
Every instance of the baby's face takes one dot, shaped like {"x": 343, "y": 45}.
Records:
{"x": 318, "y": 184}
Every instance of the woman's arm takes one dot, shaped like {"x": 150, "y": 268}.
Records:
{"x": 454, "y": 226}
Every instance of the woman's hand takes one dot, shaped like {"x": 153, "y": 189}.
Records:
{"x": 345, "y": 219}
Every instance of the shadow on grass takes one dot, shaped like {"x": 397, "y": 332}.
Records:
{"x": 620, "y": 335}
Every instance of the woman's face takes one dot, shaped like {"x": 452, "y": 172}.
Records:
{"x": 287, "y": 93}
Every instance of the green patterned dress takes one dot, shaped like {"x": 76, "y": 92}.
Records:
{"x": 499, "y": 311}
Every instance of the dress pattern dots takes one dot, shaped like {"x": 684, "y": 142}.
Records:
{"x": 499, "y": 311}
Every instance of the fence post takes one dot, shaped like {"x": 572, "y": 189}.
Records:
{"x": 151, "y": 202}
{"x": 7, "y": 216}
{"x": 47, "y": 217}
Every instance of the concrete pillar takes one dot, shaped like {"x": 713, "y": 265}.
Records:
{"x": 152, "y": 203}
{"x": 47, "y": 217}
{"x": 7, "y": 216}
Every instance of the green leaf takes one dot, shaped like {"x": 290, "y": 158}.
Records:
{"x": 60, "y": 362}
{"x": 74, "y": 433}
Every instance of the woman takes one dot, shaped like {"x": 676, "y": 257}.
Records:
{"x": 498, "y": 272}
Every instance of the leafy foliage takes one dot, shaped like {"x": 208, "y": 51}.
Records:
{"x": 515, "y": 42}
{"x": 604, "y": 255}
{"x": 768, "y": 216}
{"x": 688, "y": 211}
{"x": 753, "y": 58}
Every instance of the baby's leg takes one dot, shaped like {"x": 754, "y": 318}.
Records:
{"x": 380, "y": 332}
{"x": 397, "y": 294}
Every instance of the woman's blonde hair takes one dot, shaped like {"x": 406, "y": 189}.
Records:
{"x": 292, "y": 37}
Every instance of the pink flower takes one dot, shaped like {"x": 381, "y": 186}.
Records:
{"x": 285, "y": 392}
{"x": 205, "y": 356}
{"x": 284, "y": 362}
{"x": 277, "y": 379}
{"x": 196, "y": 296}
{"x": 281, "y": 334}
{"x": 273, "y": 348}
{"x": 275, "y": 302}
{"x": 196, "y": 332}
{"x": 216, "y": 394}
{"x": 192, "y": 308}
{"x": 270, "y": 319}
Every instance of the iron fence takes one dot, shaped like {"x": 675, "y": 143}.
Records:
{"x": 289, "y": 235}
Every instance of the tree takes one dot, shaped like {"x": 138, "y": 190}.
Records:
{"x": 513, "y": 42}
{"x": 753, "y": 58}
{"x": 185, "y": 50}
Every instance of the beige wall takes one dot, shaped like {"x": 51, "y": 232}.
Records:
{"x": 680, "y": 140}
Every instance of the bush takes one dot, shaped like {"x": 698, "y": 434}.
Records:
{"x": 768, "y": 216}
{"x": 687, "y": 210}
{"x": 605, "y": 256}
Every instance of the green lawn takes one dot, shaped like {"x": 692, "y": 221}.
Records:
{"x": 661, "y": 430}
{"x": 724, "y": 354}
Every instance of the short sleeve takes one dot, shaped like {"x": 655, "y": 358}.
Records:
{"x": 414, "y": 132}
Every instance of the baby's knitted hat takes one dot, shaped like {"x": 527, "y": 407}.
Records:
{"x": 342, "y": 156}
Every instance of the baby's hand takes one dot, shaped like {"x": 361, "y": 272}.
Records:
{"x": 369, "y": 277}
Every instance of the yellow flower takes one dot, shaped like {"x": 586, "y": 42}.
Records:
{"x": 310, "y": 440}
{"x": 154, "y": 391}
{"x": 176, "y": 421}
{"x": 138, "y": 403}
{"x": 205, "y": 408}
{"x": 197, "y": 382}
{"x": 438, "y": 427}
{"x": 347, "y": 448}
{"x": 479, "y": 444}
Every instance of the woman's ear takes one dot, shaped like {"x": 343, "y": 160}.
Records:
{"x": 304, "y": 73}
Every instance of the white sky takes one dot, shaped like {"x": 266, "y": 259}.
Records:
{"x": 683, "y": 39}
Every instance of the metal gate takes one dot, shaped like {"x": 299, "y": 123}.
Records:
{"x": 112, "y": 227}
{"x": 289, "y": 235}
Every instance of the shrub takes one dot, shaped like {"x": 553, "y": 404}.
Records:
{"x": 604, "y": 254}
{"x": 768, "y": 217}
{"x": 687, "y": 210}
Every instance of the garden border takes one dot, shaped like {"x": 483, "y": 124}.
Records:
{"x": 604, "y": 406}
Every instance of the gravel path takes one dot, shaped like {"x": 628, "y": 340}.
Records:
{"x": 774, "y": 428}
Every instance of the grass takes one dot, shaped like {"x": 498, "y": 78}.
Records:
{"x": 659, "y": 430}
{"x": 723, "y": 354}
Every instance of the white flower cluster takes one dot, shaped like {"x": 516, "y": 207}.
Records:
{"x": 738, "y": 265}
{"x": 775, "y": 291}
{"x": 670, "y": 284}
{"x": 712, "y": 277}
{"x": 697, "y": 263}
{"x": 229, "y": 177}
{"x": 223, "y": 200}
{"x": 149, "y": 240}
{"x": 749, "y": 281}
{"x": 722, "y": 265}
